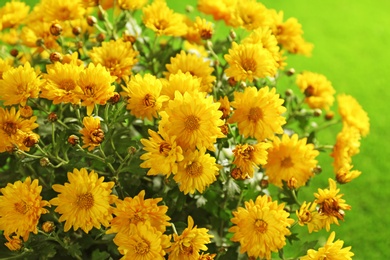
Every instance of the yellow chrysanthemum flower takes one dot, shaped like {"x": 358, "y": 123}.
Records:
{"x": 16, "y": 131}
{"x": 142, "y": 242}
{"x": 37, "y": 32}
{"x": 61, "y": 83}
{"x": 14, "y": 243}
{"x": 353, "y": 114}
{"x": 62, "y": 10}
{"x": 4, "y": 66}
{"x": 195, "y": 65}
{"x": 92, "y": 133}
{"x": 138, "y": 210}
{"x": 308, "y": 215}
{"x": 317, "y": 89}
{"x": 163, "y": 20}
{"x": 249, "y": 62}
{"x": 118, "y": 57}
{"x": 247, "y": 157}
{"x": 95, "y": 83}
{"x": 162, "y": 155}
{"x": 19, "y": 84}
{"x": 85, "y": 201}
{"x": 189, "y": 243}
{"x": 196, "y": 171}
{"x": 143, "y": 95}
{"x": 290, "y": 158}
{"x": 193, "y": 119}
{"x": 21, "y": 207}
{"x": 331, "y": 250}
{"x": 258, "y": 113}
{"x": 331, "y": 205}
{"x": 219, "y": 9}
{"x": 12, "y": 14}
{"x": 250, "y": 15}
{"x": 261, "y": 227}
{"x": 224, "y": 107}
{"x": 345, "y": 174}
{"x": 131, "y": 4}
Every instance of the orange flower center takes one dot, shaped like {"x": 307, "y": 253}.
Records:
{"x": 165, "y": 148}
{"x": 161, "y": 25}
{"x": 10, "y": 128}
{"x": 142, "y": 247}
{"x": 331, "y": 207}
{"x": 191, "y": 123}
{"x": 188, "y": 250}
{"x": 85, "y": 201}
{"x": 249, "y": 65}
{"x": 149, "y": 100}
{"x": 90, "y": 90}
{"x": 305, "y": 217}
{"x": 67, "y": 84}
{"x": 255, "y": 114}
{"x": 22, "y": 207}
{"x": 111, "y": 63}
{"x": 261, "y": 226}
{"x": 287, "y": 162}
{"x": 97, "y": 136}
{"x": 194, "y": 169}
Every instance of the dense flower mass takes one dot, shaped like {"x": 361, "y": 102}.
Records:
{"x": 160, "y": 133}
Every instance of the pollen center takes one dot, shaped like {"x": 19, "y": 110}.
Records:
{"x": 142, "y": 247}
{"x": 249, "y": 65}
{"x": 97, "y": 136}
{"x": 10, "y": 128}
{"x": 67, "y": 84}
{"x": 21, "y": 207}
{"x": 331, "y": 207}
{"x": 149, "y": 100}
{"x": 111, "y": 63}
{"x": 188, "y": 250}
{"x": 287, "y": 162}
{"x": 255, "y": 114}
{"x": 191, "y": 123}
{"x": 85, "y": 201}
{"x": 165, "y": 148}
{"x": 194, "y": 169}
{"x": 90, "y": 90}
{"x": 261, "y": 226}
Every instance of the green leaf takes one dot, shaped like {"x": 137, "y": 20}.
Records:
{"x": 98, "y": 255}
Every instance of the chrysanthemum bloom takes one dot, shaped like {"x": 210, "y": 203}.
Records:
{"x": 331, "y": 205}
{"x": 61, "y": 83}
{"x": 118, "y": 57}
{"x": 143, "y": 95}
{"x": 182, "y": 82}
{"x": 331, "y": 250}
{"x": 219, "y": 9}
{"x": 204, "y": 28}
{"x": 62, "y": 10}
{"x": 345, "y": 174}
{"x": 142, "y": 242}
{"x": 14, "y": 243}
{"x": 247, "y": 157}
{"x": 290, "y": 158}
{"x": 162, "y": 154}
{"x": 37, "y": 32}
{"x": 196, "y": 66}
{"x": 188, "y": 245}
{"x": 308, "y": 215}
{"x": 12, "y": 14}
{"x": 353, "y": 114}
{"x": 196, "y": 171}
{"x": 250, "y": 15}
{"x": 95, "y": 83}
{"x": 4, "y": 66}
{"x": 163, "y": 20}
{"x": 26, "y": 111}
{"x": 14, "y": 129}
{"x": 131, "y": 4}
{"x": 21, "y": 206}
{"x": 85, "y": 201}
{"x": 263, "y": 36}
{"x": 19, "y": 84}
{"x": 261, "y": 227}
{"x": 138, "y": 210}
{"x": 224, "y": 107}
{"x": 249, "y": 62}
{"x": 317, "y": 89}
{"x": 193, "y": 119}
{"x": 258, "y": 113}
{"x": 92, "y": 133}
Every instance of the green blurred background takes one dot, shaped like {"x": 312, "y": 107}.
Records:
{"x": 351, "y": 41}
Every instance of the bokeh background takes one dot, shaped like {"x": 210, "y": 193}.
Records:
{"x": 351, "y": 40}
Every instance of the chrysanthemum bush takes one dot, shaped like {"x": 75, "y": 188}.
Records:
{"x": 129, "y": 130}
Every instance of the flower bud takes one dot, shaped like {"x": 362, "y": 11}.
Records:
{"x": 189, "y": 8}
{"x": 31, "y": 140}
{"x": 236, "y": 174}
{"x": 224, "y": 129}
{"x": 40, "y": 42}
{"x": 52, "y": 117}
{"x": 232, "y": 82}
{"x": 55, "y": 57}
{"x": 14, "y": 244}
{"x": 317, "y": 169}
{"x": 14, "y": 53}
{"x": 289, "y": 92}
{"x": 26, "y": 111}
{"x": 329, "y": 115}
{"x": 292, "y": 183}
{"x": 264, "y": 184}
{"x": 48, "y": 226}
{"x": 309, "y": 91}
{"x": 290, "y": 72}
{"x": 44, "y": 161}
{"x": 73, "y": 140}
{"x": 76, "y": 30}
{"x": 91, "y": 20}
{"x": 131, "y": 150}
{"x": 100, "y": 37}
{"x": 317, "y": 112}
{"x": 232, "y": 35}
{"x": 55, "y": 29}
{"x": 115, "y": 98}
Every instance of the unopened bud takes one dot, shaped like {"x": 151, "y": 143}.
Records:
{"x": 14, "y": 52}
{"x": 44, "y": 161}
{"x": 289, "y": 92}
{"x": 48, "y": 226}
{"x": 91, "y": 20}
{"x": 290, "y": 72}
{"x": 317, "y": 112}
{"x": 232, "y": 82}
{"x": 189, "y": 8}
{"x": 317, "y": 169}
{"x": 131, "y": 150}
{"x": 55, "y": 57}
{"x": 129, "y": 38}
{"x": 31, "y": 140}
{"x": 329, "y": 115}
{"x": 100, "y": 37}
{"x": 26, "y": 111}
{"x": 76, "y": 30}
{"x": 73, "y": 140}
{"x": 52, "y": 117}
{"x": 264, "y": 184}
{"x": 232, "y": 35}
{"x": 224, "y": 129}
{"x": 40, "y": 42}
{"x": 309, "y": 91}
{"x": 115, "y": 98}
{"x": 242, "y": 84}
{"x": 55, "y": 29}
{"x": 236, "y": 174}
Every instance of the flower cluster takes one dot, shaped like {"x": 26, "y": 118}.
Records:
{"x": 128, "y": 129}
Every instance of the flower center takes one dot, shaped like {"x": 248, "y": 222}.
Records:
{"x": 255, "y": 114}
{"x": 85, "y": 201}
{"x": 111, "y": 63}
{"x": 97, "y": 136}
{"x": 21, "y": 207}
{"x": 90, "y": 90}
{"x": 10, "y": 128}
{"x": 244, "y": 151}
{"x": 67, "y": 84}
{"x": 261, "y": 226}
{"x": 287, "y": 162}
{"x": 249, "y": 65}
{"x": 188, "y": 250}
{"x": 149, "y": 100}
{"x": 161, "y": 25}
{"x": 165, "y": 148}
{"x": 142, "y": 247}
{"x": 331, "y": 207}
{"x": 194, "y": 169}
{"x": 191, "y": 123}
